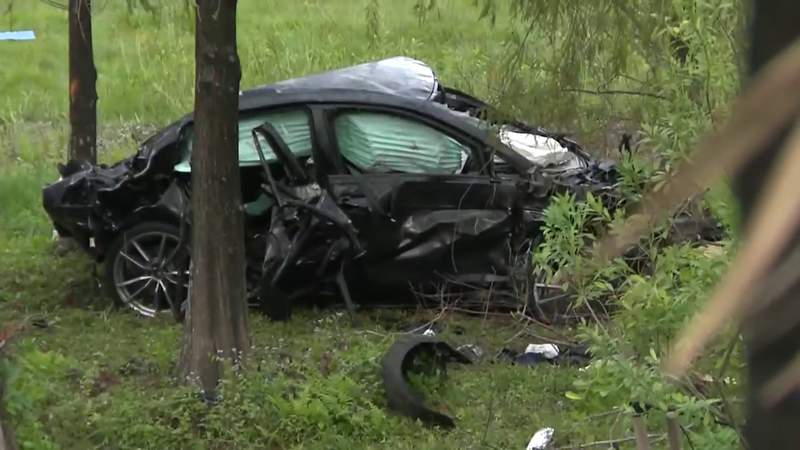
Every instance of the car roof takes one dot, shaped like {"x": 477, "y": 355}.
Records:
{"x": 401, "y": 76}
{"x": 399, "y": 82}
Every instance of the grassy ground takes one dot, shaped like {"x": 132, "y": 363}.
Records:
{"x": 85, "y": 375}
{"x": 154, "y": 53}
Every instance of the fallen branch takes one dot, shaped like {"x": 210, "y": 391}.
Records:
{"x": 617, "y": 92}
{"x": 609, "y": 442}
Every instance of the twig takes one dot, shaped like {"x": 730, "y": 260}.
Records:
{"x": 609, "y": 442}
{"x": 719, "y": 383}
{"x": 595, "y": 317}
{"x": 374, "y": 333}
{"x": 473, "y": 312}
{"x": 604, "y": 414}
{"x": 535, "y": 322}
{"x": 561, "y": 339}
{"x": 617, "y": 92}
{"x": 548, "y": 339}
{"x": 516, "y": 335}
{"x": 428, "y": 324}
{"x": 689, "y": 438}
{"x": 489, "y": 417}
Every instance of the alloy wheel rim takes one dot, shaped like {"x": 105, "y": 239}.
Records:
{"x": 147, "y": 270}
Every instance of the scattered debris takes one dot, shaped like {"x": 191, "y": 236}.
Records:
{"x": 505, "y": 355}
{"x": 40, "y": 322}
{"x": 428, "y": 328}
{"x": 535, "y": 354}
{"x": 530, "y": 359}
{"x": 542, "y": 439}
{"x": 404, "y": 357}
{"x": 471, "y": 351}
{"x": 549, "y": 351}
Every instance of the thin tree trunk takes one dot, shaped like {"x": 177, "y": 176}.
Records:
{"x": 7, "y": 440}
{"x": 82, "y": 78}
{"x": 216, "y": 322}
{"x": 774, "y": 26}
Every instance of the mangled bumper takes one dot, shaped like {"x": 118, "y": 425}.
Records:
{"x": 92, "y": 203}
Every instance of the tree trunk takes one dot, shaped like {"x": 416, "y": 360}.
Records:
{"x": 773, "y": 28}
{"x": 216, "y": 321}
{"x": 7, "y": 439}
{"x": 82, "y": 78}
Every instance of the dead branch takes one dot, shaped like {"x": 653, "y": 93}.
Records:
{"x": 616, "y": 92}
{"x": 610, "y": 442}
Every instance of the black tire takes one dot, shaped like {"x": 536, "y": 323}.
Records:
{"x": 274, "y": 302}
{"x": 154, "y": 251}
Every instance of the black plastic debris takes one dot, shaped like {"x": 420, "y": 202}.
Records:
{"x": 505, "y": 355}
{"x": 536, "y": 354}
{"x": 471, "y": 351}
{"x": 40, "y": 322}
{"x": 416, "y": 354}
{"x": 530, "y": 359}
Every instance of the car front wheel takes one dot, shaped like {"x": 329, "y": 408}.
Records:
{"x": 146, "y": 269}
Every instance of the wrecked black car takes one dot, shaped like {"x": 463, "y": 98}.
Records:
{"x": 359, "y": 182}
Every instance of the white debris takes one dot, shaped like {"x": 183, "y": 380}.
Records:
{"x": 471, "y": 351}
{"x": 549, "y": 351}
{"x": 540, "y": 150}
{"x": 429, "y": 332}
{"x": 542, "y": 439}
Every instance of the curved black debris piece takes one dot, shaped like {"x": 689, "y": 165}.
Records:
{"x": 402, "y": 359}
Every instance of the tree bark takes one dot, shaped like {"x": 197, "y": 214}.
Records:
{"x": 7, "y": 439}
{"x": 216, "y": 321}
{"x": 82, "y": 78}
{"x": 773, "y": 28}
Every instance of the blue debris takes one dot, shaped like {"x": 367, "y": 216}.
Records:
{"x": 23, "y": 35}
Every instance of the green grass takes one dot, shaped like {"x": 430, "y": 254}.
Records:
{"x": 146, "y": 62}
{"x": 99, "y": 396}
{"x": 98, "y": 377}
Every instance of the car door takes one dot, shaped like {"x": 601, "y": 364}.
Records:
{"x": 422, "y": 208}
